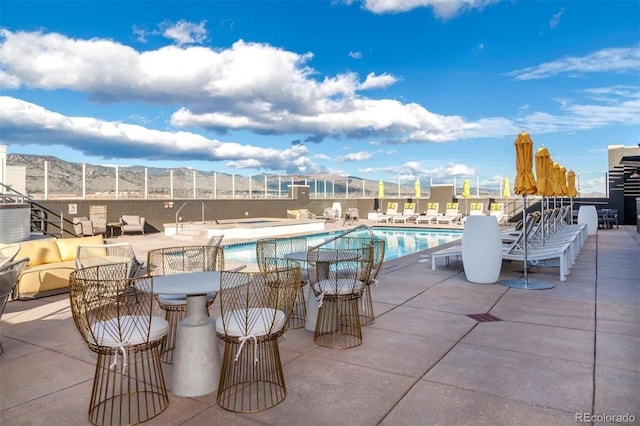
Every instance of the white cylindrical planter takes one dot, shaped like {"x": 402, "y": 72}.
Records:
{"x": 481, "y": 249}
{"x": 589, "y": 215}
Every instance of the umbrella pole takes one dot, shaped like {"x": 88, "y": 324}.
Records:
{"x": 524, "y": 282}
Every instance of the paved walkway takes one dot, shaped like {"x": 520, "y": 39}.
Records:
{"x": 554, "y": 354}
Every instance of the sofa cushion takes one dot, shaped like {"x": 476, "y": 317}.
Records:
{"x": 39, "y": 251}
{"x": 69, "y": 246}
{"x": 45, "y": 278}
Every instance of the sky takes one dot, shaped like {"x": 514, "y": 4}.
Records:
{"x": 393, "y": 90}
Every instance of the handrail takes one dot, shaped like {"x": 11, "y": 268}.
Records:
{"x": 203, "y": 206}
{"x": 25, "y": 198}
{"x": 348, "y": 231}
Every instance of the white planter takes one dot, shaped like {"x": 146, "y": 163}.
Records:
{"x": 589, "y": 215}
{"x": 482, "y": 249}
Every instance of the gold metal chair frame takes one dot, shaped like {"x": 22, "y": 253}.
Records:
{"x": 113, "y": 314}
{"x": 178, "y": 260}
{"x": 254, "y": 310}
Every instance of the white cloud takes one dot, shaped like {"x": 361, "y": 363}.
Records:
{"x": 354, "y": 156}
{"x": 443, "y": 9}
{"x": 378, "y": 81}
{"x": 184, "y": 32}
{"x": 24, "y": 122}
{"x": 355, "y": 55}
{"x": 555, "y": 19}
{"x": 624, "y": 59}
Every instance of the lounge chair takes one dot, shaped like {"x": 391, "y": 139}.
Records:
{"x": 452, "y": 214}
{"x": 497, "y": 210}
{"x": 431, "y": 215}
{"x": 351, "y": 214}
{"x": 330, "y": 214}
{"x": 306, "y": 214}
{"x": 132, "y": 223}
{"x": 476, "y": 209}
{"x": 85, "y": 227}
{"x": 392, "y": 210}
{"x": 409, "y": 213}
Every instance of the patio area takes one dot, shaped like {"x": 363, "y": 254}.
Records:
{"x": 546, "y": 357}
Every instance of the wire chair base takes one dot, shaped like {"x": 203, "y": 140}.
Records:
{"x": 299, "y": 314}
{"x": 247, "y": 386}
{"x": 366, "y": 307}
{"x": 128, "y": 394}
{"x": 338, "y": 324}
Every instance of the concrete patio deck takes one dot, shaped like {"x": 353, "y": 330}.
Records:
{"x": 555, "y": 356}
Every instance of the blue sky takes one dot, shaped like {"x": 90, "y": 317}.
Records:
{"x": 379, "y": 89}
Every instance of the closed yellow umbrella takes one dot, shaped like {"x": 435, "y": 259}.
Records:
{"x": 466, "y": 189}
{"x": 416, "y": 187}
{"x": 506, "y": 191}
{"x": 381, "y": 189}
{"x": 562, "y": 177}
{"x": 571, "y": 184}
{"x": 525, "y": 181}
{"x": 557, "y": 187}
{"x": 544, "y": 183}
{"x": 466, "y": 193}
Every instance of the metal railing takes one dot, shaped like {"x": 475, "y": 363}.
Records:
{"x": 203, "y": 207}
{"x": 348, "y": 231}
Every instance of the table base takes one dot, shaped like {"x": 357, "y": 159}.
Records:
{"x": 196, "y": 357}
{"x": 526, "y": 284}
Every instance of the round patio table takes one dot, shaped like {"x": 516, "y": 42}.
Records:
{"x": 196, "y": 360}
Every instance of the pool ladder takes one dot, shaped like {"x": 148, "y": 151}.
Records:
{"x": 348, "y": 231}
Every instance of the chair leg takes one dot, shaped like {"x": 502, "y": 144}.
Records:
{"x": 366, "y": 307}
{"x": 248, "y": 387}
{"x": 172, "y": 316}
{"x": 132, "y": 394}
{"x": 299, "y": 314}
{"x": 338, "y": 325}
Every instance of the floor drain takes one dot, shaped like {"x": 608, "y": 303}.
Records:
{"x": 484, "y": 317}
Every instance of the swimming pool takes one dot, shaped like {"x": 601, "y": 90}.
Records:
{"x": 399, "y": 242}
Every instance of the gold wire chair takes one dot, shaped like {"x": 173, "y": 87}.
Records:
{"x": 277, "y": 248}
{"x": 366, "y": 313}
{"x": 180, "y": 260}
{"x": 9, "y": 275}
{"x": 254, "y": 309}
{"x": 113, "y": 314}
{"x": 100, "y": 254}
{"x": 342, "y": 274}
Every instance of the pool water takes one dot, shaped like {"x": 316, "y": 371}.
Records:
{"x": 398, "y": 242}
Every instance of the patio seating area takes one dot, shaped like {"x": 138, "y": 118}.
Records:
{"x": 440, "y": 351}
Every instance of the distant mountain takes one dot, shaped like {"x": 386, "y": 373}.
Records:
{"x": 65, "y": 179}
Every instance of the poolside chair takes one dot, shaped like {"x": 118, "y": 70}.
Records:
{"x": 452, "y": 214}
{"x": 338, "y": 285}
{"x": 132, "y": 223}
{"x": 475, "y": 209}
{"x": 497, "y": 210}
{"x": 83, "y": 226}
{"x": 330, "y": 214}
{"x": 276, "y": 248}
{"x": 254, "y": 309}
{"x": 409, "y": 213}
{"x": 179, "y": 260}
{"x": 392, "y": 210}
{"x": 101, "y": 254}
{"x": 114, "y": 316}
{"x": 431, "y": 214}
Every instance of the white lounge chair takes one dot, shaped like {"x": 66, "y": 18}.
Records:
{"x": 431, "y": 214}
{"x": 409, "y": 213}
{"x": 392, "y": 210}
{"x": 451, "y": 214}
{"x": 476, "y": 209}
{"x": 497, "y": 210}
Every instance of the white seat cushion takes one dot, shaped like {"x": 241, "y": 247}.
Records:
{"x": 135, "y": 327}
{"x": 340, "y": 286}
{"x": 179, "y": 299}
{"x": 237, "y": 324}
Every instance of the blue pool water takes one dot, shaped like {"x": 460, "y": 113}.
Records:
{"x": 399, "y": 242}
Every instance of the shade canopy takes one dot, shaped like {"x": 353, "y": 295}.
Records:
{"x": 416, "y": 187}
{"x": 381, "y": 189}
{"x": 571, "y": 184}
{"x": 506, "y": 190}
{"x": 544, "y": 183}
{"x": 525, "y": 181}
{"x": 466, "y": 189}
